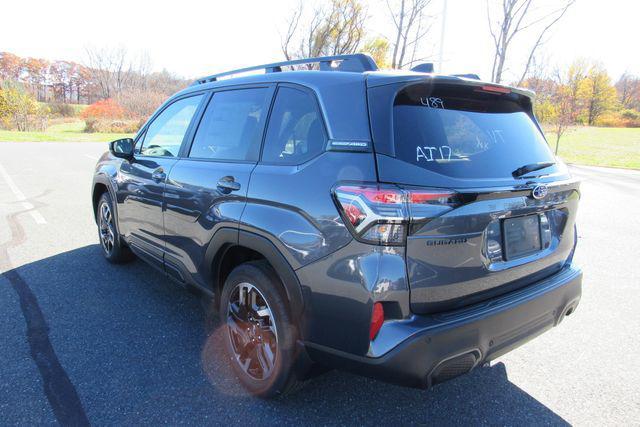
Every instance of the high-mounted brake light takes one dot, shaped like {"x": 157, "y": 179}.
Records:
{"x": 496, "y": 89}
{"x": 380, "y": 213}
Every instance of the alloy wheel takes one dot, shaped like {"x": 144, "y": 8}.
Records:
{"x": 107, "y": 234}
{"x": 252, "y": 331}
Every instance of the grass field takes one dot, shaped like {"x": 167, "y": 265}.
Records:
{"x": 615, "y": 147}
{"x": 68, "y": 131}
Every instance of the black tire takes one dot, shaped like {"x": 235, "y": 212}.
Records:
{"x": 280, "y": 379}
{"x": 113, "y": 248}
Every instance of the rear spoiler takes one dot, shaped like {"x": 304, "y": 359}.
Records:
{"x": 409, "y": 77}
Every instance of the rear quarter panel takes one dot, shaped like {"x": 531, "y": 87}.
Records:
{"x": 292, "y": 206}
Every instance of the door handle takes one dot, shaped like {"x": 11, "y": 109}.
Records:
{"x": 158, "y": 175}
{"x": 227, "y": 184}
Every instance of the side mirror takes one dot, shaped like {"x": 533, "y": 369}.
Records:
{"x": 122, "y": 148}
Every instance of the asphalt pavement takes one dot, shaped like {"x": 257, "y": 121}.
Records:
{"x": 83, "y": 341}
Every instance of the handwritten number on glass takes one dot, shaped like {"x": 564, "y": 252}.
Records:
{"x": 432, "y": 102}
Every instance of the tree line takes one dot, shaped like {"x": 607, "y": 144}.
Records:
{"x": 32, "y": 90}
{"x": 107, "y": 73}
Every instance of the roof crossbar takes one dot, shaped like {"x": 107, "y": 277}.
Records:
{"x": 358, "y": 62}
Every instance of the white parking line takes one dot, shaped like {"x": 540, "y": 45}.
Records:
{"x": 91, "y": 157}
{"x": 35, "y": 214}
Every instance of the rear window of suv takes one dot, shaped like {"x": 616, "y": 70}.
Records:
{"x": 466, "y": 131}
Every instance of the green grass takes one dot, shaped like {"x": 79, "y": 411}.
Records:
{"x": 614, "y": 147}
{"x": 71, "y": 131}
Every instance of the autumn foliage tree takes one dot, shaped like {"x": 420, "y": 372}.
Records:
{"x": 596, "y": 93}
{"x": 19, "y": 110}
{"x": 378, "y": 48}
{"x": 10, "y": 66}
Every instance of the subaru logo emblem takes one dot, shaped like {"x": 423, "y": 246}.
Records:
{"x": 539, "y": 192}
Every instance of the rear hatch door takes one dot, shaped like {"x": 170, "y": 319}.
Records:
{"x": 482, "y": 142}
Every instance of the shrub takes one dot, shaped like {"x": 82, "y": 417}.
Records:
{"x": 623, "y": 118}
{"x": 632, "y": 116}
{"x": 104, "y": 109}
{"x": 62, "y": 110}
{"x": 93, "y": 125}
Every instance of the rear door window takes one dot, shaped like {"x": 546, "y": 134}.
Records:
{"x": 296, "y": 131}
{"x": 231, "y": 127}
{"x": 466, "y": 132}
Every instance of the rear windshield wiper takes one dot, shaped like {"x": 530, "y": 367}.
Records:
{"x": 532, "y": 167}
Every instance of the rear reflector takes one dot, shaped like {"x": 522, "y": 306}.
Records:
{"x": 377, "y": 319}
{"x": 454, "y": 367}
{"x": 354, "y": 214}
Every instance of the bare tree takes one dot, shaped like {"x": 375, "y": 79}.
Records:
{"x": 410, "y": 28}
{"x": 292, "y": 29}
{"x": 335, "y": 28}
{"x": 115, "y": 70}
{"x": 628, "y": 88}
{"x": 515, "y": 17}
{"x": 140, "y": 69}
{"x": 563, "y": 106}
{"x": 563, "y": 100}
{"x": 540, "y": 40}
{"x": 110, "y": 68}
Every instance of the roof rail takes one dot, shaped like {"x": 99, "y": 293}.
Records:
{"x": 358, "y": 62}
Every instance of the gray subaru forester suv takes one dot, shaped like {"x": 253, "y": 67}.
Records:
{"x": 403, "y": 225}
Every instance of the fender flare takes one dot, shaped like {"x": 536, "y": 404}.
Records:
{"x": 226, "y": 238}
{"x": 102, "y": 178}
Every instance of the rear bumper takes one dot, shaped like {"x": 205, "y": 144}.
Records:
{"x": 432, "y": 349}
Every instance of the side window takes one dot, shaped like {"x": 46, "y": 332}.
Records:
{"x": 296, "y": 132}
{"x": 165, "y": 134}
{"x": 231, "y": 124}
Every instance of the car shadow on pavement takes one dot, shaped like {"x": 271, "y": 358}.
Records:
{"x": 135, "y": 347}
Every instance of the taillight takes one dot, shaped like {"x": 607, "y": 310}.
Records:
{"x": 377, "y": 319}
{"x": 380, "y": 213}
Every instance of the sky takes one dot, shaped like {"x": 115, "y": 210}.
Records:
{"x": 194, "y": 38}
